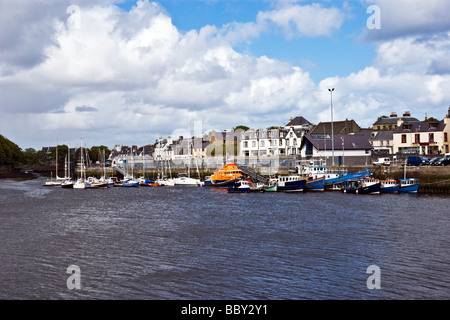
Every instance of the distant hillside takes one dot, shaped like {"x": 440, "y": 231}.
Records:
{"x": 10, "y": 153}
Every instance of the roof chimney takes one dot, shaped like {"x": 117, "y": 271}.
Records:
{"x": 393, "y": 114}
{"x": 407, "y": 114}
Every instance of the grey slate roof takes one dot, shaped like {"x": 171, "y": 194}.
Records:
{"x": 351, "y": 142}
{"x": 298, "y": 121}
{"x": 421, "y": 126}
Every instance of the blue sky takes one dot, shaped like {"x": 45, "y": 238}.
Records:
{"x": 339, "y": 53}
{"x": 116, "y": 72}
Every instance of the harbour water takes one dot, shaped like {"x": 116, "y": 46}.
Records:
{"x": 176, "y": 243}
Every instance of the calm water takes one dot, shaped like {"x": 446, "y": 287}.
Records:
{"x": 201, "y": 243}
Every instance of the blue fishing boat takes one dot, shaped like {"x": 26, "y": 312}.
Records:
{"x": 409, "y": 186}
{"x": 333, "y": 179}
{"x": 316, "y": 184}
{"x": 362, "y": 186}
{"x": 292, "y": 183}
{"x": 389, "y": 186}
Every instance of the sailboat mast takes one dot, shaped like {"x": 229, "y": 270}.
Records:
{"x": 56, "y": 158}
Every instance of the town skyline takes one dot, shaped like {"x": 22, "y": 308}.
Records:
{"x": 128, "y": 72}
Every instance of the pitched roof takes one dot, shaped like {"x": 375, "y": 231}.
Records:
{"x": 339, "y": 127}
{"x": 421, "y": 126}
{"x": 351, "y": 142}
{"x": 394, "y": 120}
{"x": 298, "y": 121}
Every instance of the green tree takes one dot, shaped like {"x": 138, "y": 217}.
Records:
{"x": 241, "y": 127}
{"x": 10, "y": 153}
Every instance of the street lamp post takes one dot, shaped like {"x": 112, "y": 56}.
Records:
{"x": 332, "y": 130}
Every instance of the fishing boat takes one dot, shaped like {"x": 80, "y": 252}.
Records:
{"x": 272, "y": 186}
{"x": 389, "y": 186}
{"x": 410, "y": 185}
{"x": 333, "y": 179}
{"x": 362, "y": 186}
{"x": 242, "y": 186}
{"x": 315, "y": 184}
{"x": 291, "y": 183}
{"x": 226, "y": 176}
{"x": 256, "y": 187}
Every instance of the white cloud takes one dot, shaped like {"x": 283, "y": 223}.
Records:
{"x": 136, "y": 77}
{"x": 141, "y": 75}
{"x": 303, "y": 20}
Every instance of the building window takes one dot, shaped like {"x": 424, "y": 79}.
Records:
{"x": 253, "y": 144}
{"x": 245, "y": 144}
{"x": 445, "y": 137}
{"x": 261, "y": 143}
{"x": 403, "y": 138}
{"x": 417, "y": 138}
{"x": 431, "y": 137}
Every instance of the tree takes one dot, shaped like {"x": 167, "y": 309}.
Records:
{"x": 10, "y": 153}
{"x": 241, "y": 127}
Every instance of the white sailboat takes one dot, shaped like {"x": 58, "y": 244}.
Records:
{"x": 58, "y": 181}
{"x": 81, "y": 182}
{"x": 184, "y": 179}
{"x": 68, "y": 182}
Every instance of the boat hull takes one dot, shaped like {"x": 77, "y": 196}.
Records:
{"x": 409, "y": 189}
{"x": 390, "y": 189}
{"x": 372, "y": 189}
{"x": 238, "y": 189}
{"x": 316, "y": 185}
{"x": 220, "y": 183}
{"x": 292, "y": 186}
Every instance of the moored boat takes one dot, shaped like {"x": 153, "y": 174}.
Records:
{"x": 389, "y": 186}
{"x": 183, "y": 179}
{"x": 225, "y": 177}
{"x": 272, "y": 186}
{"x": 292, "y": 183}
{"x": 94, "y": 183}
{"x": 315, "y": 184}
{"x": 67, "y": 184}
{"x": 242, "y": 186}
{"x": 362, "y": 186}
{"x": 410, "y": 185}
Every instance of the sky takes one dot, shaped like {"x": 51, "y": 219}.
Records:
{"x": 128, "y": 72}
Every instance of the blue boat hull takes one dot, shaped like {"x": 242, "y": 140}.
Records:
{"x": 292, "y": 186}
{"x": 409, "y": 189}
{"x": 316, "y": 185}
{"x": 348, "y": 176}
{"x": 393, "y": 189}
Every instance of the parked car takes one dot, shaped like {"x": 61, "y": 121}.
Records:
{"x": 417, "y": 161}
{"x": 382, "y": 162}
{"x": 443, "y": 161}
{"x": 434, "y": 160}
